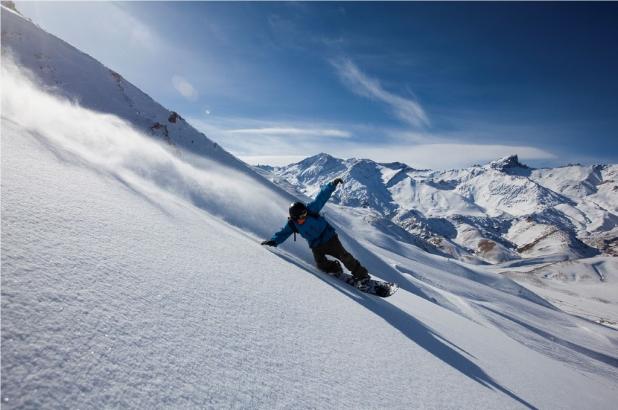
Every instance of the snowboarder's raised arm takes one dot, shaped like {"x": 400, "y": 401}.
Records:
{"x": 279, "y": 237}
{"x": 320, "y": 200}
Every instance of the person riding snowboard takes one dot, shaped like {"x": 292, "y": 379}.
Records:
{"x": 321, "y": 236}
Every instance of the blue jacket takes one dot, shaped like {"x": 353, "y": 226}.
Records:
{"x": 316, "y": 231}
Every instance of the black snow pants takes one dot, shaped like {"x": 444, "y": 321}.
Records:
{"x": 334, "y": 248}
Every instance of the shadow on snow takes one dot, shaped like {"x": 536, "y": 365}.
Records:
{"x": 415, "y": 330}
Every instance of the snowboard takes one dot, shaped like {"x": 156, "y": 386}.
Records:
{"x": 376, "y": 287}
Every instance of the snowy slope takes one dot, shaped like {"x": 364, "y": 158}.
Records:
{"x": 119, "y": 289}
{"x": 584, "y": 287}
{"x": 80, "y": 78}
{"x": 133, "y": 277}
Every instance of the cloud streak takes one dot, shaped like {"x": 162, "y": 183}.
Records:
{"x": 293, "y": 132}
{"x": 280, "y": 143}
{"x": 450, "y": 155}
{"x": 406, "y": 110}
{"x": 246, "y": 137}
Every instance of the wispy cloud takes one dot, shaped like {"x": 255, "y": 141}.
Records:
{"x": 250, "y": 137}
{"x": 272, "y": 160}
{"x": 425, "y": 156}
{"x": 293, "y": 132}
{"x": 406, "y": 110}
{"x": 450, "y": 155}
{"x": 281, "y": 143}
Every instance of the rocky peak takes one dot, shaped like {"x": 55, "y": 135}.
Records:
{"x": 507, "y": 163}
{"x": 396, "y": 165}
{"x": 10, "y": 5}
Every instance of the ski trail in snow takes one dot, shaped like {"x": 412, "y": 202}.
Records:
{"x": 596, "y": 269}
{"x": 545, "y": 342}
{"x": 414, "y": 329}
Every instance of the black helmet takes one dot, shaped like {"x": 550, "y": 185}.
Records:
{"x": 297, "y": 209}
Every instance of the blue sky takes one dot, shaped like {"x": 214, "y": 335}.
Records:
{"x": 435, "y": 85}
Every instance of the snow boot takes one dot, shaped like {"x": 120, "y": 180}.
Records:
{"x": 338, "y": 269}
{"x": 362, "y": 284}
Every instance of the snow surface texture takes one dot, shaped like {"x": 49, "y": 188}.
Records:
{"x": 132, "y": 277}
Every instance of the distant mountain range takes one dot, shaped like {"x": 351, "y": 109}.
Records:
{"x": 493, "y": 213}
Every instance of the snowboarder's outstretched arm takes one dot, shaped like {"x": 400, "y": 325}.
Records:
{"x": 320, "y": 200}
{"x": 279, "y": 237}
{"x": 314, "y": 206}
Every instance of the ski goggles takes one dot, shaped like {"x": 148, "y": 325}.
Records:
{"x": 301, "y": 218}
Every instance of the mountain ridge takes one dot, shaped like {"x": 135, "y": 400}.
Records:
{"x": 479, "y": 205}
{"x": 47, "y": 57}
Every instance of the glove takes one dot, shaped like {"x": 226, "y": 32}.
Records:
{"x": 269, "y": 243}
{"x": 337, "y": 181}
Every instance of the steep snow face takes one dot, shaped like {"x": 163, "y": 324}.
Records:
{"x": 63, "y": 69}
{"x": 113, "y": 147}
{"x": 119, "y": 292}
{"x": 499, "y": 193}
{"x": 432, "y": 199}
{"x": 573, "y": 181}
{"x": 365, "y": 186}
{"x": 570, "y": 211}
{"x": 132, "y": 277}
{"x": 593, "y": 189}
{"x": 310, "y": 170}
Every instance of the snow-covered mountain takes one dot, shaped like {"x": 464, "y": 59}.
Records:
{"x": 132, "y": 277}
{"x": 494, "y": 213}
{"x": 61, "y": 68}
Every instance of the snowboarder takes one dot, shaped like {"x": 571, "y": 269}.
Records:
{"x": 322, "y": 238}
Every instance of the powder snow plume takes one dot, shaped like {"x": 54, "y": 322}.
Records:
{"x": 110, "y": 145}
